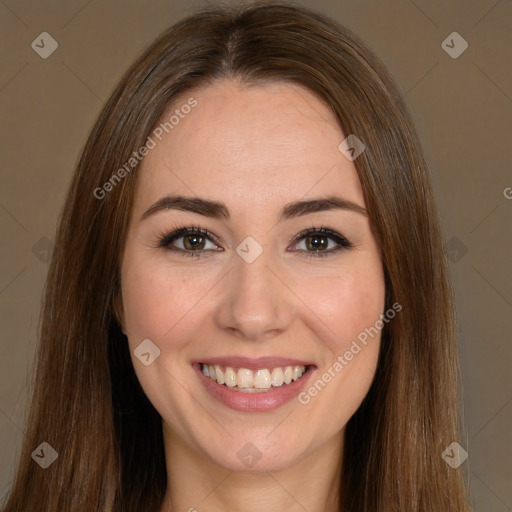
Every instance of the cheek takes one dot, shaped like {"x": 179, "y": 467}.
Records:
{"x": 145, "y": 300}
{"x": 160, "y": 304}
{"x": 156, "y": 298}
{"x": 347, "y": 303}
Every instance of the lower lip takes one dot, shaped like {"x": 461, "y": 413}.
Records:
{"x": 253, "y": 402}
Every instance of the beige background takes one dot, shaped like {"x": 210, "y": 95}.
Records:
{"x": 463, "y": 108}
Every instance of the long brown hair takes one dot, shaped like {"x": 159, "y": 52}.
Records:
{"x": 87, "y": 402}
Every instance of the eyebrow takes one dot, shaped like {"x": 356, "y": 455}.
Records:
{"x": 217, "y": 210}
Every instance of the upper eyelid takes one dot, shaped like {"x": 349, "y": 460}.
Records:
{"x": 189, "y": 230}
{"x": 324, "y": 231}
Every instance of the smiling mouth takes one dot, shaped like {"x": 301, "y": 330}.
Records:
{"x": 253, "y": 381}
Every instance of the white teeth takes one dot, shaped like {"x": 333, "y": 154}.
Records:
{"x": 277, "y": 377}
{"x": 262, "y": 379}
{"x": 297, "y": 372}
{"x": 249, "y": 381}
{"x": 219, "y": 375}
{"x": 245, "y": 378}
{"x": 230, "y": 378}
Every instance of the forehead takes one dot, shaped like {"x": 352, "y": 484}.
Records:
{"x": 257, "y": 144}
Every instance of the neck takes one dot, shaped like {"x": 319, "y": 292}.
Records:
{"x": 195, "y": 483}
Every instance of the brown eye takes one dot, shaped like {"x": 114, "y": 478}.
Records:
{"x": 193, "y": 242}
{"x": 190, "y": 241}
{"x": 320, "y": 242}
{"x": 316, "y": 242}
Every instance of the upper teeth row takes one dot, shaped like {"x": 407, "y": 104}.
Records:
{"x": 259, "y": 379}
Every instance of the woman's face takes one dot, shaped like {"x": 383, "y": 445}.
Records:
{"x": 254, "y": 300}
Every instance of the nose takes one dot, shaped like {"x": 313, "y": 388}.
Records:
{"x": 255, "y": 303}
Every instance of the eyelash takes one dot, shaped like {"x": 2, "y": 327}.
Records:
{"x": 166, "y": 238}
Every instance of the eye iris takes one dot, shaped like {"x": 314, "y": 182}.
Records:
{"x": 316, "y": 242}
{"x": 191, "y": 242}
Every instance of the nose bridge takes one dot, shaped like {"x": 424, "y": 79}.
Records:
{"x": 254, "y": 305}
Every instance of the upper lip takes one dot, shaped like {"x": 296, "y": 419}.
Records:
{"x": 254, "y": 363}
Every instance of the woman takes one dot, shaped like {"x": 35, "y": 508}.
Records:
{"x": 248, "y": 305}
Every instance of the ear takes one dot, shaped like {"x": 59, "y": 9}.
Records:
{"x": 119, "y": 310}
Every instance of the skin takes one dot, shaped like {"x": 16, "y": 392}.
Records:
{"x": 254, "y": 149}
